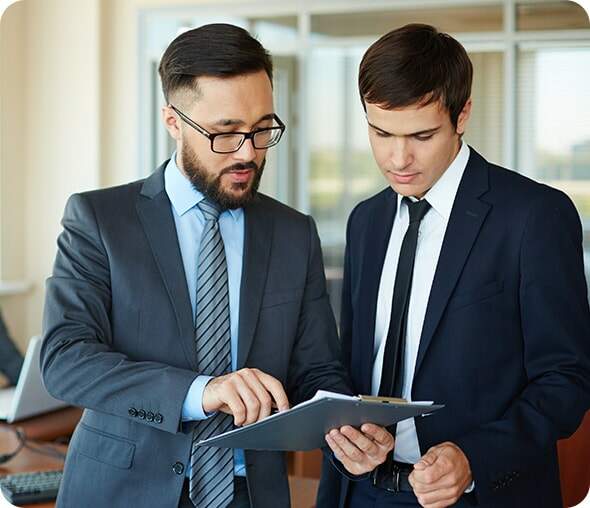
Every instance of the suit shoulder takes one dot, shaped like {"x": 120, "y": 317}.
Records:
{"x": 118, "y": 201}
{"x": 107, "y": 194}
{"x": 368, "y": 206}
{"x": 525, "y": 191}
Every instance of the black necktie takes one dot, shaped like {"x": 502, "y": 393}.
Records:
{"x": 392, "y": 372}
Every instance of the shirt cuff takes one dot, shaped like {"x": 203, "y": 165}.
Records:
{"x": 192, "y": 408}
{"x": 470, "y": 488}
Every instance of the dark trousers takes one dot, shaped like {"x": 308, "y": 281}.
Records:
{"x": 364, "y": 495}
{"x": 241, "y": 499}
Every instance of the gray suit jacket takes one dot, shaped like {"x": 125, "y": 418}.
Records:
{"x": 119, "y": 340}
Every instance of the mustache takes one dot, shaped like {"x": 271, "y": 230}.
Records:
{"x": 240, "y": 167}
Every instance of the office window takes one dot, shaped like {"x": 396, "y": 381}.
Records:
{"x": 342, "y": 171}
{"x": 554, "y": 124}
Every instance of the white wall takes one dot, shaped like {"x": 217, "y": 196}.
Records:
{"x": 50, "y": 137}
{"x": 12, "y": 212}
{"x": 68, "y": 123}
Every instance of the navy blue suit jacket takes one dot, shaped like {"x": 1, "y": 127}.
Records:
{"x": 506, "y": 338}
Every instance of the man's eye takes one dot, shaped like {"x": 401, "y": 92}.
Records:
{"x": 424, "y": 138}
{"x": 382, "y": 134}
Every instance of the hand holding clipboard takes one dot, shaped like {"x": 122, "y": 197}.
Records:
{"x": 304, "y": 426}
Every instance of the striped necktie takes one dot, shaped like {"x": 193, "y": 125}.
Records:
{"x": 211, "y": 483}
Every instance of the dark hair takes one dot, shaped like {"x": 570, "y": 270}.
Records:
{"x": 416, "y": 64}
{"x": 216, "y": 50}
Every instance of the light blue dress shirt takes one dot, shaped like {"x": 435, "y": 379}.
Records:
{"x": 189, "y": 222}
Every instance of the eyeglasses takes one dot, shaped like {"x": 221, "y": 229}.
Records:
{"x": 222, "y": 142}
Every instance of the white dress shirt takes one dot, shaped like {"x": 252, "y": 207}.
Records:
{"x": 430, "y": 238}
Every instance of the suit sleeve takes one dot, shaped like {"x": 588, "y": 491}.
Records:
{"x": 346, "y": 311}
{"x": 78, "y": 361}
{"x": 332, "y": 468}
{"x": 316, "y": 358}
{"x": 555, "y": 323}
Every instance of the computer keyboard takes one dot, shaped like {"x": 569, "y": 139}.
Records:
{"x": 25, "y": 488}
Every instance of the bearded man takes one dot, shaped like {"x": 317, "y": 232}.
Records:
{"x": 187, "y": 303}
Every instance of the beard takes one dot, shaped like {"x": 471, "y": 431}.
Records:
{"x": 211, "y": 187}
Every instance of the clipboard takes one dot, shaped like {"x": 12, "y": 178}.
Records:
{"x": 304, "y": 426}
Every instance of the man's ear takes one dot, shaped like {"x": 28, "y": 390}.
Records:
{"x": 464, "y": 117}
{"x": 171, "y": 122}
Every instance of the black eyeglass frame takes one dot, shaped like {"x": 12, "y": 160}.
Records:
{"x": 245, "y": 135}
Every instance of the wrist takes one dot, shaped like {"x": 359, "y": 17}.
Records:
{"x": 208, "y": 401}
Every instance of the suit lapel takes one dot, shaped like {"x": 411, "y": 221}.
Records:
{"x": 467, "y": 217}
{"x": 377, "y": 241}
{"x": 153, "y": 207}
{"x": 257, "y": 247}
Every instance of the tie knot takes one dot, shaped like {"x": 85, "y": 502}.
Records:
{"x": 210, "y": 209}
{"x": 417, "y": 209}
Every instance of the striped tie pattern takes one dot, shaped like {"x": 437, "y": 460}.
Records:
{"x": 212, "y": 469}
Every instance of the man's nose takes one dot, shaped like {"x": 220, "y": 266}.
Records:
{"x": 401, "y": 155}
{"x": 247, "y": 152}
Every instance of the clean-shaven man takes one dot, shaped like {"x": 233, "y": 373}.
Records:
{"x": 463, "y": 284}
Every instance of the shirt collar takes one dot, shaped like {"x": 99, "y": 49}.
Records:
{"x": 181, "y": 192}
{"x": 441, "y": 195}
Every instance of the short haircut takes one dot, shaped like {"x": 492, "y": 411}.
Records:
{"x": 416, "y": 64}
{"x": 216, "y": 50}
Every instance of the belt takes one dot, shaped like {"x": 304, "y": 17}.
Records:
{"x": 393, "y": 477}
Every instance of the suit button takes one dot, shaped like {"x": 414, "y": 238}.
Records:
{"x": 158, "y": 418}
{"x": 150, "y": 416}
{"x": 132, "y": 412}
{"x": 141, "y": 414}
{"x": 178, "y": 468}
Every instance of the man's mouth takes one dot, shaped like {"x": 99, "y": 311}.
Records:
{"x": 403, "y": 178}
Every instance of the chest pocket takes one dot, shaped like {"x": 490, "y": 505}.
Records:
{"x": 475, "y": 295}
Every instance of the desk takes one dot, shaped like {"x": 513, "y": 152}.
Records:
{"x": 51, "y": 426}
{"x": 28, "y": 460}
{"x": 38, "y": 430}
